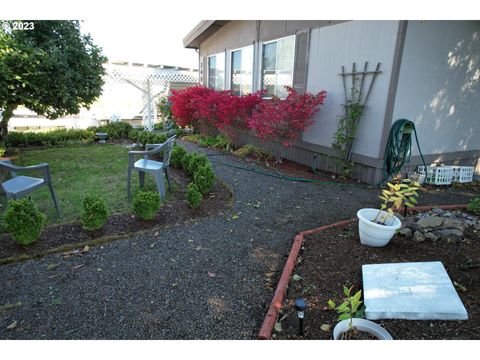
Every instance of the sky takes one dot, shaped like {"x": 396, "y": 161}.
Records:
{"x": 144, "y": 41}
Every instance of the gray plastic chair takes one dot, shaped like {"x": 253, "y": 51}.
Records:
{"x": 146, "y": 165}
{"x": 20, "y": 186}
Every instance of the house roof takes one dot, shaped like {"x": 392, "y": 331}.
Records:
{"x": 202, "y": 31}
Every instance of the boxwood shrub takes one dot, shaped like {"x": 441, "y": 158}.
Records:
{"x": 23, "y": 221}
{"x": 178, "y": 153}
{"x": 194, "y": 162}
{"x": 204, "y": 178}
{"x": 95, "y": 212}
{"x": 146, "y": 204}
{"x": 194, "y": 196}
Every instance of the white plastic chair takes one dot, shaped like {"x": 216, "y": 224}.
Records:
{"x": 20, "y": 186}
{"x": 153, "y": 167}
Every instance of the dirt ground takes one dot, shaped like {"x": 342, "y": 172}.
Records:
{"x": 335, "y": 257}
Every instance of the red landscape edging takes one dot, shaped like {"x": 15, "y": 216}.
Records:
{"x": 277, "y": 300}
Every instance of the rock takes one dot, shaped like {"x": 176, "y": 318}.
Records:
{"x": 438, "y": 211}
{"x": 447, "y": 214}
{"x": 432, "y": 236}
{"x": 406, "y": 232}
{"x": 430, "y": 222}
{"x": 418, "y": 236}
{"x": 416, "y": 227}
{"x": 451, "y": 238}
{"x": 453, "y": 224}
{"x": 450, "y": 232}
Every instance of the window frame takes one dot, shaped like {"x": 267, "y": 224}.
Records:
{"x": 261, "y": 53}
{"x": 224, "y": 70}
{"x": 230, "y": 57}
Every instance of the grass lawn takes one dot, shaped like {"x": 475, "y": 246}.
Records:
{"x": 76, "y": 171}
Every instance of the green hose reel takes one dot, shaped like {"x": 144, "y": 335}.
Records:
{"x": 399, "y": 148}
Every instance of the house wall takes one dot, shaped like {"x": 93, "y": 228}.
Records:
{"x": 343, "y": 44}
{"x": 438, "y": 89}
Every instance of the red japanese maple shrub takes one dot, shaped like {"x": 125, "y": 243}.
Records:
{"x": 284, "y": 120}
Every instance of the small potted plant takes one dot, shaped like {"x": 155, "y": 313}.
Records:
{"x": 377, "y": 227}
{"x": 351, "y": 324}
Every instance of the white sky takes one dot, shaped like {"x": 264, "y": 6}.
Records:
{"x": 153, "y": 42}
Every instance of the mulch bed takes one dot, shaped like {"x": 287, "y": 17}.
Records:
{"x": 334, "y": 258}
{"x": 173, "y": 212}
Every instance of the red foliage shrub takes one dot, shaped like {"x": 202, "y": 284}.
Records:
{"x": 284, "y": 120}
{"x": 274, "y": 119}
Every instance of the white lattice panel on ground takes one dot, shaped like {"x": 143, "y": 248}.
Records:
{"x": 437, "y": 175}
{"x": 462, "y": 174}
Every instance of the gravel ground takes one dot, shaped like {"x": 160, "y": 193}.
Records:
{"x": 199, "y": 280}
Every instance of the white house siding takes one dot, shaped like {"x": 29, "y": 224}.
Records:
{"x": 343, "y": 44}
{"x": 438, "y": 87}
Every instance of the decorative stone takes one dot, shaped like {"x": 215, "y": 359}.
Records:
{"x": 418, "y": 236}
{"x": 412, "y": 291}
{"x": 437, "y": 211}
{"x": 406, "y": 232}
{"x": 448, "y": 232}
{"x": 452, "y": 238}
{"x": 430, "y": 222}
{"x": 431, "y": 236}
{"x": 447, "y": 214}
{"x": 453, "y": 223}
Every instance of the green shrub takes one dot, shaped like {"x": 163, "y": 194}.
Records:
{"x": 194, "y": 196}
{"x": 219, "y": 142}
{"x": 148, "y": 137}
{"x": 117, "y": 130}
{"x": 204, "y": 178}
{"x": 49, "y": 138}
{"x": 95, "y": 213}
{"x": 195, "y": 161}
{"x": 2, "y": 151}
{"x": 474, "y": 206}
{"x": 158, "y": 126}
{"x": 133, "y": 135}
{"x": 146, "y": 204}
{"x": 178, "y": 153}
{"x": 186, "y": 160}
{"x": 23, "y": 221}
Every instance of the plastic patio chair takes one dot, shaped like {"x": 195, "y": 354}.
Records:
{"x": 153, "y": 167}
{"x": 20, "y": 186}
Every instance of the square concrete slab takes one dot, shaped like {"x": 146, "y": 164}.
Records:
{"x": 413, "y": 291}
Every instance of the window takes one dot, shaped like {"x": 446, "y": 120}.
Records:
{"x": 241, "y": 78}
{"x": 216, "y": 72}
{"x": 277, "y": 66}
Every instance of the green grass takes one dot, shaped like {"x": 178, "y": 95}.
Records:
{"x": 80, "y": 170}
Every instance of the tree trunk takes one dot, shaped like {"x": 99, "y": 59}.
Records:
{"x": 6, "y": 115}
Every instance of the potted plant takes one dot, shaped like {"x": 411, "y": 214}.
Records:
{"x": 351, "y": 324}
{"x": 377, "y": 227}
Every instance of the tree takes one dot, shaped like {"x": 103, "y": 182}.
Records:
{"x": 53, "y": 70}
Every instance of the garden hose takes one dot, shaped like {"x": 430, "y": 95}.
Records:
{"x": 280, "y": 176}
{"x": 399, "y": 148}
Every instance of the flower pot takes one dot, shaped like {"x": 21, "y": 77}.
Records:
{"x": 373, "y": 234}
{"x": 361, "y": 325}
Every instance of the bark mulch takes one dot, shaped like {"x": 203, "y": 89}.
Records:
{"x": 334, "y": 258}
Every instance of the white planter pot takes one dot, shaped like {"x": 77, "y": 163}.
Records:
{"x": 362, "y": 325}
{"x": 373, "y": 234}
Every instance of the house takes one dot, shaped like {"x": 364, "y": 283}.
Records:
{"x": 429, "y": 72}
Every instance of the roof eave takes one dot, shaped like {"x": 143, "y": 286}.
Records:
{"x": 201, "y": 32}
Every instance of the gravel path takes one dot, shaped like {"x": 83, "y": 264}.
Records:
{"x": 209, "y": 279}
